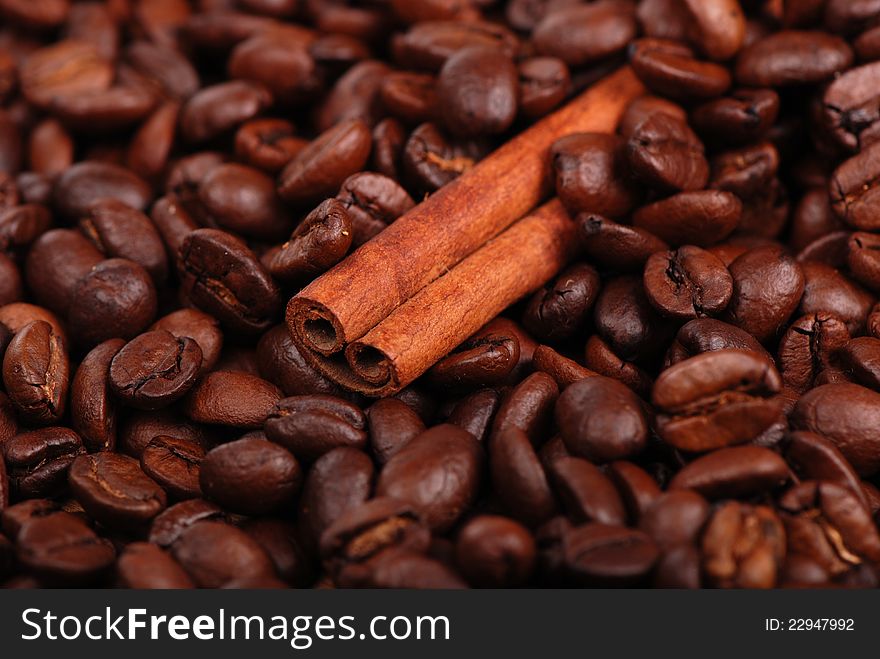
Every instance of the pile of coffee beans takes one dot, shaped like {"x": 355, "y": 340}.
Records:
{"x": 695, "y": 402}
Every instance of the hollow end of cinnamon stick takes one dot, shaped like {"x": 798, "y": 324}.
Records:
{"x": 315, "y": 326}
{"x": 371, "y": 364}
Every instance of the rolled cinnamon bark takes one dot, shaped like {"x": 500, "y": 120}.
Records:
{"x": 454, "y": 306}
{"x": 357, "y": 294}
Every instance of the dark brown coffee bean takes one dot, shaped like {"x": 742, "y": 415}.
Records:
{"x": 664, "y": 152}
{"x": 739, "y": 471}
{"x": 354, "y": 97}
{"x": 115, "y": 491}
{"x": 319, "y": 169}
{"x": 518, "y": 479}
{"x": 170, "y": 524}
{"x": 583, "y": 34}
{"x": 431, "y": 160}
{"x": 524, "y": 15}
{"x": 116, "y": 299}
{"x": 428, "y": 45}
{"x": 373, "y": 202}
{"x": 702, "y": 218}
{"x": 602, "y": 554}
{"x": 21, "y": 225}
{"x": 65, "y": 68}
{"x": 250, "y": 476}
{"x": 563, "y": 370}
{"x": 675, "y": 518}
{"x": 642, "y": 108}
{"x": 36, "y": 373}
{"x": 718, "y": 26}
{"x": 687, "y": 283}
{"x": 716, "y": 399}
{"x": 544, "y": 82}
{"x": 599, "y": 357}
{"x": 747, "y": 172}
{"x": 495, "y": 551}
{"x": 199, "y": 326}
{"x": 280, "y": 61}
{"x": 137, "y": 429}
{"x": 11, "y": 289}
{"x": 808, "y": 348}
{"x": 213, "y": 554}
{"x": 237, "y": 400}
{"x": 155, "y": 369}
{"x": 224, "y": 278}
{"x": 477, "y": 91}
{"x": 486, "y": 359}
{"x": 528, "y": 406}
{"x": 849, "y": 107}
{"x": 174, "y": 464}
{"x": 438, "y": 472}
{"x": 37, "y": 461}
{"x": 743, "y": 546}
{"x": 590, "y": 174}
{"x": 279, "y": 539}
{"x": 63, "y": 549}
{"x": 560, "y": 309}
{"x": 92, "y": 410}
{"x": 815, "y": 458}
{"x": 586, "y": 493}
{"x": 845, "y": 414}
{"x": 743, "y": 116}
{"x": 214, "y": 110}
{"x": 767, "y": 288}
{"x": 281, "y": 363}
{"x": 56, "y": 262}
{"x": 409, "y": 96}
{"x": 618, "y": 246}
{"x": 601, "y": 419}
{"x": 828, "y": 291}
{"x": 147, "y": 566}
{"x": 863, "y": 258}
{"x": 86, "y": 182}
{"x": 164, "y": 66}
{"x": 320, "y": 241}
{"x": 792, "y": 57}
{"x": 670, "y": 69}
{"x": 243, "y": 200}
{"x": 852, "y": 190}
{"x": 309, "y": 426}
{"x": 393, "y": 425}
{"x": 338, "y": 481}
{"x": 268, "y": 144}
{"x": 627, "y": 321}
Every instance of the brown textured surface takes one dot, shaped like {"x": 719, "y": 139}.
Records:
{"x": 356, "y": 296}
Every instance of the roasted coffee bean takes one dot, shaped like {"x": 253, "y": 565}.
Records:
{"x": 86, "y": 182}
{"x": 675, "y": 518}
{"x": 223, "y": 277}
{"x": 563, "y": 370}
{"x": 743, "y": 546}
{"x": 250, "y": 476}
{"x": 670, "y": 68}
{"x": 36, "y": 373}
{"x": 282, "y": 364}
{"x": 409, "y": 96}
{"x": 355, "y": 96}
{"x": 174, "y": 520}
{"x": 738, "y": 471}
{"x": 214, "y": 110}
{"x": 319, "y": 169}
{"x": 602, "y": 554}
{"x": 826, "y": 290}
{"x": 767, "y": 287}
{"x": 309, "y": 426}
{"x": 528, "y": 406}
{"x": 373, "y": 201}
{"x": 338, "y": 481}
{"x": 618, "y": 246}
{"x": 627, "y": 321}
{"x": 741, "y": 117}
{"x": 664, "y": 152}
{"x": 559, "y": 311}
{"x": 66, "y": 68}
{"x": 267, "y": 144}
{"x": 114, "y": 490}
{"x": 431, "y": 160}
{"x": 792, "y": 57}
{"x": 863, "y": 258}
{"x": 320, "y": 241}
{"x": 590, "y": 173}
{"x": 815, "y": 458}
{"x": 687, "y": 283}
{"x": 518, "y": 478}
{"x": 853, "y": 190}
{"x": 477, "y": 91}
{"x": 174, "y": 464}
{"x": 702, "y": 218}
{"x": 843, "y": 413}
{"x": 62, "y": 548}
{"x": 716, "y": 399}
{"x": 428, "y": 45}
{"x": 213, "y": 554}
{"x": 11, "y": 289}
{"x": 116, "y": 299}
{"x": 200, "y": 327}
{"x": 850, "y": 110}
{"x": 56, "y": 262}
{"x": 486, "y": 359}
{"x": 586, "y": 493}
{"x": 495, "y": 551}
{"x": 393, "y": 425}
{"x": 544, "y": 83}
{"x": 237, "y": 400}
{"x": 583, "y": 34}
{"x": 438, "y": 472}
{"x": 278, "y": 60}
{"x": 167, "y": 67}
{"x": 144, "y": 565}
{"x": 808, "y": 348}
{"x": 21, "y": 225}
{"x": 601, "y": 419}
{"x": 747, "y": 172}
{"x": 599, "y": 357}
{"x": 155, "y": 369}
{"x": 279, "y": 540}
{"x": 718, "y": 27}
{"x": 37, "y": 461}
{"x": 137, "y": 429}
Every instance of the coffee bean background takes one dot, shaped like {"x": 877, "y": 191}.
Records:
{"x": 693, "y": 402}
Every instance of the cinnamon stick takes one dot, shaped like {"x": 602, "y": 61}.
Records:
{"x": 440, "y": 316}
{"x": 356, "y": 295}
